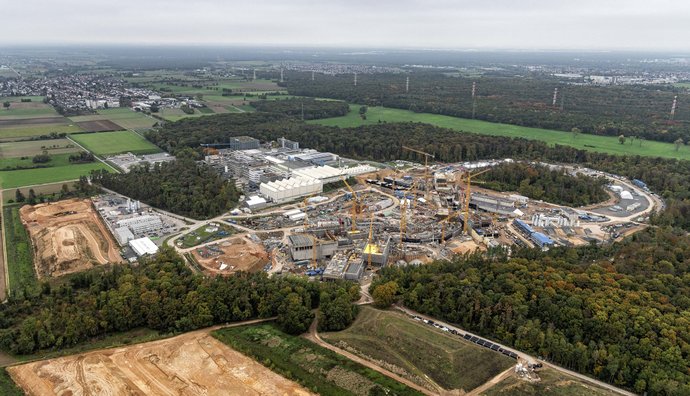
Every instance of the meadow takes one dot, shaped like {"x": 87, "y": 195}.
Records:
{"x": 317, "y": 368}
{"x": 605, "y": 144}
{"x": 28, "y": 177}
{"x": 33, "y": 147}
{"x": 122, "y": 116}
{"x": 110, "y": 143}
{"x": 420, "y": 350}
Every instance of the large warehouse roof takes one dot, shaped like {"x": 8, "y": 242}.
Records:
{"x": 143, "y": 246}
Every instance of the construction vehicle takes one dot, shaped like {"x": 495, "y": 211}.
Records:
{"x": 468, "y": 194}
{"x": 426, "y": 168}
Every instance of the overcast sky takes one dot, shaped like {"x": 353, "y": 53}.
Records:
{"x": 482, "y": 24}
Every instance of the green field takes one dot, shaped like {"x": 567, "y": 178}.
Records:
{"x": 552, "y": 383}
{"x": 122, "y": 116}
{"x": 200, "y": 235}
{"x": 420, "y": 350}
{"x": 7, "y": 386}
{"x": 57, "y": 160}
{"x": 110, "y": 143}
{"x": 314, "y": 367}
{"x": 18, "y": 99}
{"x": 27, "y": 177}
{"x": 27, "y": 131}
{"x": 45, "y": 189}
{"x": 33, "y": 147}
{"x": 605, "y": 144}
{"x": 22, "y": 275}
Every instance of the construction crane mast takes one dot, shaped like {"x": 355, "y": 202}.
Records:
{"x": 403, "y": 222}
{"x": 468, "y": 193}
{"x": 356, "y": 208}
{"x": 371, "y": 232}
{"x": 426, "y": 167}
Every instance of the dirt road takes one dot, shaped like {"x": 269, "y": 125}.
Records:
{"x": 525, "y": 356}
{"x": 4, "y": 273}
{"x": 313, "y": 336}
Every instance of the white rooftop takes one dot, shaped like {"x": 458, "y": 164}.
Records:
{"x": 143, "y": 246}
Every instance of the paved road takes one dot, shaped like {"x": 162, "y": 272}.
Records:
{"x": 523, "y": 355}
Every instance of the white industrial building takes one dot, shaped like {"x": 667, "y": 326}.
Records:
{"x": 289, "y": 189}
{"x": 143, "y": 246}
{"x": 142, "y": 224}
{"x": 123, "y": 235}
{"x": 329, "y": 174}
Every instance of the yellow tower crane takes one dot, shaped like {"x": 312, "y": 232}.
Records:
{"x": 371, "y": 232}
{"x": 426, "y": 168}
{"x": 468, "y": 193}
{"x": 356, "y": 208}
{"x": 403, "y": 222}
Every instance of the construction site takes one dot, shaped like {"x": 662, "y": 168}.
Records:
{"x": 241, "y": 253}
{"x": 190, "y": 364}
{"x": 416, "y": 213}
{"x": 68, "y": 236}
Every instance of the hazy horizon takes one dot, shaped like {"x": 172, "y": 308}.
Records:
{"x": 533, "y": 25}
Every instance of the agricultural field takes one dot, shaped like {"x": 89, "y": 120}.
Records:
{"x": 19, "y": 252}
{"x": 30, "y": 177}
{"x": 57, "y": 160}
{"x": 110, "y": 143}
{"x": 68, "y": 236}
{"x": 124, "y": 117}
{"x": 33, "y": 109}
{"x": 193, "y": 363}
{"x": 207, "y": 233}
{"x": 418, "y": 352}
{"x": 33, "y": 147}
{"x": 316, "y": 368}
{"x": 15, "y": 131}
{"x": 551, "y": 382}
{"x": 605, "y": 144}
{"x": 45, "y": 189}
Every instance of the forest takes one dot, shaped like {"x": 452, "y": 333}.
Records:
{"x": 162, "y": 294}
{"x": 630, "y": 110}
{"x": 303, "y": 108}
{"x": 383, "y": 142}
{"x": 541, "y": 183}
{"x": 617, "y": 312}
{"x": 181, "y": 186}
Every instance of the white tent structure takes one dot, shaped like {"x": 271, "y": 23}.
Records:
{"x": 289, "y": 189}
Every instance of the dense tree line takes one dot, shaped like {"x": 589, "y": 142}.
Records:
{"x": 181, "y": 186}
{"x": 542, "y": 183}
{"x": 310, "y": 108}
{"x": 618, "y": 313}
{"x": 630, "y": 110}
{"x": 82, "y": 157}
{"x": 383, "y": 142}
{"x": 160, "y": 294}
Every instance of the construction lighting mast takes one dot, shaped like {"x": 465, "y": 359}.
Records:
{"x": 426, "y": 168}
{"x": 468, "y": 194}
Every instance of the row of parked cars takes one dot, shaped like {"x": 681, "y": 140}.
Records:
{"x": 469, "y": 337}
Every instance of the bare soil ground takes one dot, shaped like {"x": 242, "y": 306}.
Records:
{"x": 191, "y": 364}
{"x": 68, "y": 236}
{"x": 237, "y": 254}
{"x": 99, "y": 126}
